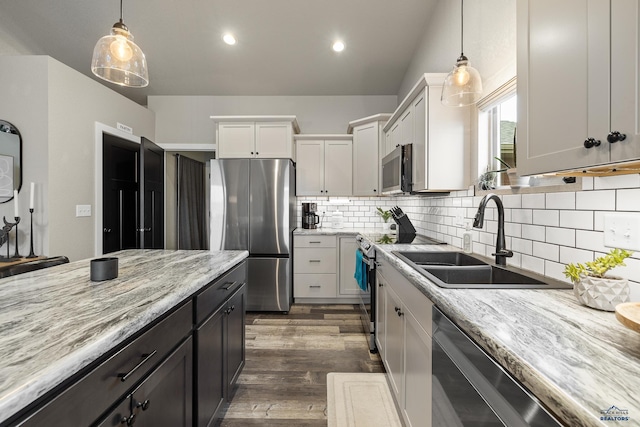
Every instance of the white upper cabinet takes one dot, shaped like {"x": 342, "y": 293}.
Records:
{"x": 439, "y": 134}
{"x": 265, "y": 137}
{"x": 324, "y": 165}
{"x": 369, "y": 147}
{"x": 578, "y": 68}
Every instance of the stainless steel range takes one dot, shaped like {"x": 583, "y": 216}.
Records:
{"x": 368, "y": 299}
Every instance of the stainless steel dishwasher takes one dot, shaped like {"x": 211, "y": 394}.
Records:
{"x": 471, "y": 389}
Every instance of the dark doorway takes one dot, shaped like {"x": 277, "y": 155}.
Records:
{"x": 152, "y": 202}
{"x": 133, "y": 214}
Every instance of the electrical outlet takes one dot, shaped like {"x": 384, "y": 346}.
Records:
{"x": 459, "y": 218}
{"x": 83, "y": 210}
{"x": 622, "y": 231}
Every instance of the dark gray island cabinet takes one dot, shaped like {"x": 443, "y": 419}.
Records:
{"x": 176, "y": 372}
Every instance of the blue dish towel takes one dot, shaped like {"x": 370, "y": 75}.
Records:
{"x": 361, "y": 271}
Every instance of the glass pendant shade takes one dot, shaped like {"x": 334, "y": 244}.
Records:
{"x": 117, "y": 59}
{"x": 462, "y": 86}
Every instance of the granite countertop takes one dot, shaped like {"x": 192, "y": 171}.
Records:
{"x": 578, "y": 361}
{"x": 54, "y": 322}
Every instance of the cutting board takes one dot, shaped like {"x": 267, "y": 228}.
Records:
{"x": 628, "y": 314}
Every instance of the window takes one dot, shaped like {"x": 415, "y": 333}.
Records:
{"x": 497, "y": 136}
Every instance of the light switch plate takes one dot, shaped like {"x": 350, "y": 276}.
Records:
{"x": 622, "y": 231}
{"x": 83, "y": 210}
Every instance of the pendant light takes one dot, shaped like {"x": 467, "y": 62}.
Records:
{"x": 117, "y": 59}
{"x": 463, "y": 85}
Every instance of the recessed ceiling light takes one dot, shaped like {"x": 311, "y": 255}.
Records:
{"x": 229, "y": 39}
{"x": 338, "y": 46}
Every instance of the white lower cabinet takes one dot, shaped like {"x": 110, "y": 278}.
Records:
{"x": 404, "y": 342}
{"x": 323, "y": 269}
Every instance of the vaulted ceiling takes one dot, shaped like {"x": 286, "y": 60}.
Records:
{"x": 284, "y": 46}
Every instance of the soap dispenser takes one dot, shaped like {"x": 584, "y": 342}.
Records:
{"x": 467, "y": 239}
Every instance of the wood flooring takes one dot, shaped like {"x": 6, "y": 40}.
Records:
{"x": 284, "y": 381}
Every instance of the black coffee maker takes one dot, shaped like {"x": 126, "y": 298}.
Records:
{"x": 309, "y": 217}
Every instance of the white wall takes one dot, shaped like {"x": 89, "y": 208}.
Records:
{"x": 185, "y": 119}
{"x": 25, "y": 104}
{"x": 76, "y": 102}
{"x": 55, "y": 109}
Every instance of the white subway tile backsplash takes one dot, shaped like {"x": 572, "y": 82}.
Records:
{"x": 577, "y": 219}
{"x": 574, "y": 255}
{"x": 601, "y": 200}
{"x": 565, "y": 200}
{"x": 618, "y": 181}
{"x": 545, "y": 231}
{"x": 533, "y": 201}
{"x": 561, "y": 236}
{"x": 523, "y": 216}
{"x": 546, "y": 251}
{"x": 592, "y": 240}
{"x": 628, "y": 200}
{"x": 631, "y": 271}
{"x": 546, "y": 217}
{"x": 512, "y": 201}
{"x": 533, "y": 232}
{"x": 522, "y": 246}
{"x": 555, "y": 270}
{"x": 513, "y": 229}
{"x": 533, "y": 264}
{"x": 587, "y": 183}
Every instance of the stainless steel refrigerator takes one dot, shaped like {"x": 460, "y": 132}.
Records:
{"x": 253, "y": 208}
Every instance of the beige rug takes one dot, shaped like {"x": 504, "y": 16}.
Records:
{"x": 360, "y": 400}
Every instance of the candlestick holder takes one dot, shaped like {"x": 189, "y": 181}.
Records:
{"x": 31, "y": 253}
{"x": 17, "y": 254}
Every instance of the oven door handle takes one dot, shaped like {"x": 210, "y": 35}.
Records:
{"x": 370, "y": 262}
{"x": 500, "y": 406}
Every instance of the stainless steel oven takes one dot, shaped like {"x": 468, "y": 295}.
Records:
{"x": 471, "y": 389}
{"x": 368, "y": 299}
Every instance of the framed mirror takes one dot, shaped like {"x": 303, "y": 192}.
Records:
{"x": 10, "y": 160}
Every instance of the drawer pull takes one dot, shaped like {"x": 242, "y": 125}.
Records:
{"x": 315, "y": 242}
{"x": 315, "y": 286}
{"x": 228, "y": 285}
{"x": 146, "y": 357}
{"x": 314, "y": 260}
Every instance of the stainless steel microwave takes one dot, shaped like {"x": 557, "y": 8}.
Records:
{"x": 396, "y": 170}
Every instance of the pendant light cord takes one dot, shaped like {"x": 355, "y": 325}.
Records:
{"x": 461, "y": 27}
{"x": 120, "y": 10}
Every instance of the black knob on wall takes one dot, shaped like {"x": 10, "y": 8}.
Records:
{"x": 616, "y": 136}
{"x": 591, "y": 142}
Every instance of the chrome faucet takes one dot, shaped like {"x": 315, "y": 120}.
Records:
{"x": 502, "y": 253}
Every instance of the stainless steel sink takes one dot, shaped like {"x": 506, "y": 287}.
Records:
{"x": 449, "y": 259}
{"x": 459, "y": 270}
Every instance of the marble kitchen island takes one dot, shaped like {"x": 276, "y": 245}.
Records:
{"x": 55, "y": 322}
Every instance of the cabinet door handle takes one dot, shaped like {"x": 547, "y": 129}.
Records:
{"x": 380, "y": 284}
{"x": 107, "y": 230}
{"x": 146, "y": 357}
{"x": 616, "y": 136}
{"x": 143, "y": 405}
{"x": 591, "y": 142}
{"x": 129, "y": 421}
{"x": 228, "y": 286}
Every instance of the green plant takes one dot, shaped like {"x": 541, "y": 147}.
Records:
{"x": 598, "y": 267}
{"x": 386, "y": 215}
